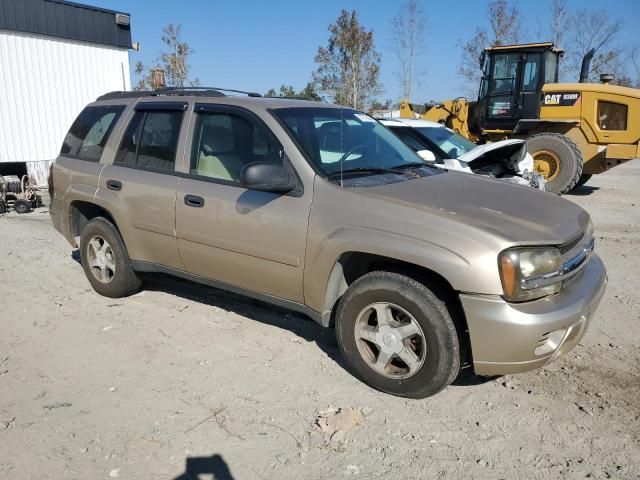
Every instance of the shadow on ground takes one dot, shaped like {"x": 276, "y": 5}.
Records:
{"x": 213, "y": 465}
{"x": 268, "y": 314}
{"x": 582, "y": 191}
{"x": 257, "y": 310}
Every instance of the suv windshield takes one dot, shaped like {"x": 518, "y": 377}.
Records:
{"x": 344, "y": 140}
{"x": 448, "y": 141}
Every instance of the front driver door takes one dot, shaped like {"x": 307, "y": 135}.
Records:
{"x": 246, "y": 238}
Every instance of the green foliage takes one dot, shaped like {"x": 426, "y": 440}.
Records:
{"x": 348, "y": 68}
{"x": 287, "y": 91}
{"x": 174, "y": 60}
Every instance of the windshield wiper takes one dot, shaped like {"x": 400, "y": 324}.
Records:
{"x": 409, "y": 165}
{"x": 371, "y": 170}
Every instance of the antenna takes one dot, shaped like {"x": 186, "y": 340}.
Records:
{"x": 341, "y": 144}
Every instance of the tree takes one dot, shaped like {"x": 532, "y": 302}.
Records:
{"x": 377, "y": 105}
{"x": 505, "y": 28}
{"x": 408, "y": 29}
{"x": 348, "y": 68}
{"x": 285, "y": 91}
{"x": 634, "y": 56}
{"x": 594, "y": 29}
{"x": 174, "y": 60}
{"x": 307, "y": 93}
{"x": 558, "y": 22}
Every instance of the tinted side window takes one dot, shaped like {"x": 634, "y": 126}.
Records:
{"x": 89, "y": 133}
{"x": 612, "y": 116}
{"x": 531, "y": 72}
{"x": 224, "y": 143}
{"x": 151, "y": 140}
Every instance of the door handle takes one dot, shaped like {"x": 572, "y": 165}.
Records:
{"x": 114, "y": 185}
{"x": 193, "y": 201}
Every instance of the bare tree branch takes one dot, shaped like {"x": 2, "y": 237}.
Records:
{"x": 408, "y": 29}
{"x": 505, "y": 28}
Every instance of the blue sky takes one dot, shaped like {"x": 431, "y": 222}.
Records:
{"x": 256, "y": 45}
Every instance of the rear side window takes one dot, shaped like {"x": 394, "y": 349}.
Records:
{"x": 151, "y": 140}
{"x": 612, "y": 116}
{"x": 89, "y": 133}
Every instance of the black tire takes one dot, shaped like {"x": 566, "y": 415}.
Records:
{"x": 3, "y": 207}
{"x": 124, "y": 280}
{"x": 441, "y": 362}
{"x": 584, "y": 178}
{"x": 22, "y": 206}
{"x": 568, "y": 154}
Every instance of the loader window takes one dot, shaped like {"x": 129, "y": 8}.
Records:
{"x": 531, "y": 73}
{"x": 612, "y": 116}
{"x": 551, "y": 67}
{"x": 505, "y": 68}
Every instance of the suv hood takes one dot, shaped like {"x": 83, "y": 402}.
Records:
{"x": 516, "y": 214}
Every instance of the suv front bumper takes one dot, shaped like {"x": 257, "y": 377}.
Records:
{"x": 517, "y": 337}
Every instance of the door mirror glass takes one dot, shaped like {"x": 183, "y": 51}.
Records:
{"x": 267, "y": 177}
{"x": 427, "y": 155}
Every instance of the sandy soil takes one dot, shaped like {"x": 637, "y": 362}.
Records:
{"x": 183, "y": 379}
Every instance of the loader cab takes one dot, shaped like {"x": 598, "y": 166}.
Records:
{"x": 513, "y": 77}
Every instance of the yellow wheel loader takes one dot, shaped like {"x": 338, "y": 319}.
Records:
{"x": 573, "y": 130}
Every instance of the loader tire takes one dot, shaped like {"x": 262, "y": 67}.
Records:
{"x": 584, "y": 178}
{"x": 557, "y": 159}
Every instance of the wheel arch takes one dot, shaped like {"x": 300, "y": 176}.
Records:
{"x": 81, "y": 212}
{"x": 352, "y": 265}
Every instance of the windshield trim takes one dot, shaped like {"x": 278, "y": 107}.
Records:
{"x": 296, "y": 142}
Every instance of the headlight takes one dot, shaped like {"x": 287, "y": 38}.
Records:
{"x": 521, "y": 269}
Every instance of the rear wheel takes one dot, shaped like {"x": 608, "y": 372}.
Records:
{"x": 105, "y": 260}
{"x": 397, "y": 336}
{"x": 557, "y": 159}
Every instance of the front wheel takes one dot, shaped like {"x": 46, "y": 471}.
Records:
{"x": 397, "y": 336}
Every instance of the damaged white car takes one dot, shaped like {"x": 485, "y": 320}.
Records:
{"x": 507, "y": 160}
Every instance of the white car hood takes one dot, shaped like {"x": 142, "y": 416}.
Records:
{"x": 480, "y": 150}
{"x": 524, "y": 165}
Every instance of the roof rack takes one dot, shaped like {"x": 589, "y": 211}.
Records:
{"x": 202, "y": 91}
{"x": 194, "y": 91}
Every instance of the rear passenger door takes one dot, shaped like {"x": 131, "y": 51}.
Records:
{"x": 139, "y": 188}
{"x": 251, "y": 239}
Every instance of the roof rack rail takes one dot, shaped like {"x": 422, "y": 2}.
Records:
{"x": 202, "y": 91}
{"x": 195, "y": 91}
{"x": 293, "y": 97}
{"x": 131, "y": 94}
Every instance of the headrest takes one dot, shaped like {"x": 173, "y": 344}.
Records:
{"x": 217, "y": 139}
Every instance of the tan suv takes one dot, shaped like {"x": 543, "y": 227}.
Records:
{"x": 323, "y": 210}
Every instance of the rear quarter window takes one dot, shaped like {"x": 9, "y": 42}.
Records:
{"x": 612, "y": 116}
{"x": 89, "y": 133}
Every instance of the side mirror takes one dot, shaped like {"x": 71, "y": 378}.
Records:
{"x": 427, "y": 155}
{"x": 267, "y": 177}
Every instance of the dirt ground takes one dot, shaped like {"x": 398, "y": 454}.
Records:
{"x": 183, "y": 379}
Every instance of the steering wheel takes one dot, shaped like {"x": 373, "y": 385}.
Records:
{"x": 352, "y": 151}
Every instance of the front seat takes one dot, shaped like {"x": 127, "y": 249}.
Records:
{"x": 217, "y": 157}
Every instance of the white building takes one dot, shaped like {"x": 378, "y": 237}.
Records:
{"x": 55, "y": 57}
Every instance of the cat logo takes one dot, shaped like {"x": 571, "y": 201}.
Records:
{"x": 560, "y": 99}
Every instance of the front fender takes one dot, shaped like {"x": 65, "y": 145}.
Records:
{"x": 456, "y": 269}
